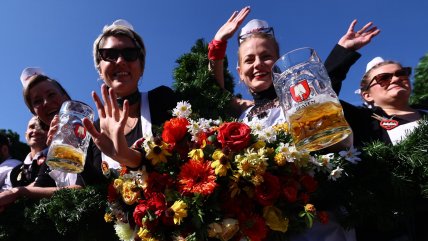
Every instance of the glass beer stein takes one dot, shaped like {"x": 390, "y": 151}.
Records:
{"x": 312, "y": 109}
{"x": 67, "y": 151}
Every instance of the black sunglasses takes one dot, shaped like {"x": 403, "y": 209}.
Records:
{"x": 384, "y": 79}
{"x": 111, "y": 55}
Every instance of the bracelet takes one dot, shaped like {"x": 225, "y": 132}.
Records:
{"x": 217, "y": 49}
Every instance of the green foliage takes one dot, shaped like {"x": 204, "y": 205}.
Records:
{"x": 70, "y": 214}
{"x": 18, "y": 150}
{"x": 420, "y": 86}
{"x": 385, "y": 190}
{"x": 195, "y": 83}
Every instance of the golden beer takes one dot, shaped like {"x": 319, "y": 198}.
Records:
{"x": 319, "y": 125}
{"x": 66, "y": 158}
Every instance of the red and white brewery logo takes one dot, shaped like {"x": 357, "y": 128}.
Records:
{"x": 79, "y": 130}
{"x": 300, "y": 91}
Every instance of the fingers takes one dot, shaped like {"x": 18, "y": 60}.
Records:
{"x": 352, "y": 26}
{"x": 125, "y": 113}
{"x": 243, "y": 14}
{"x": 115, "y": 110}
{"x": 91, "y": 128}
{"x": 233, "y": 16}
{"x": 99, "y": 105}
{"x": 363, "y": 29}
{"x": 107, "y": 103}
{"x": 52, "y": 129}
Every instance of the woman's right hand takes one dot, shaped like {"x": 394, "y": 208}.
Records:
{"x": 229, "y": 28}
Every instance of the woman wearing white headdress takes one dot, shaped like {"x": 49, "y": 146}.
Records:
{"x": 126, "y": 114}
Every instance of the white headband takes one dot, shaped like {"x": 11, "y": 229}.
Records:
{"x": 27, "y": 73}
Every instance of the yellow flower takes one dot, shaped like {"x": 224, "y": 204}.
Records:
{"x": 180, "y": 211}
{"x": 310, "y": 208}
{"x": 196, "y": 154}
{"x": 274, "y": 219}
{"x": 143, "y": 233}
{"x": 117, "y": 184}
{"x": 221, "y": 163}
{"x": 108, "y": 217}
{"x": 280, "y": 159}
{"x": 157, "y": 152}
{"x": 281, "y": 127}
{"x": 259, "y": 144}
{"x": 129, "y": 195}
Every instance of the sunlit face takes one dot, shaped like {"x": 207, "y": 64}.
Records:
{"x": 46, "y": 100}
{"x": 35, "y": 135}
{"x": 257, "y": 56}
{"x": 120, "y": 75}
{"x": 398, "y": 89}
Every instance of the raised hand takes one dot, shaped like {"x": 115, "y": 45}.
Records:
{"x": 53, "y": 128}
{"x": 111, "y": 138}
{"x": 229, "y": 28}
{"x": 356, "y": 40}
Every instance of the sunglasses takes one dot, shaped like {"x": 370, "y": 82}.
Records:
{"x": 384, "y": 79}
{"x": 111, "y": 55}
{"x": 268, "y": 31}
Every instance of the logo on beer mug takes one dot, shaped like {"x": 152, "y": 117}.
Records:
{"x": 79, "y": 130}
{"x": 300, "y": 91}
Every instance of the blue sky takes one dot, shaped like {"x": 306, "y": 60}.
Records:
{"x": 58, "y": 35}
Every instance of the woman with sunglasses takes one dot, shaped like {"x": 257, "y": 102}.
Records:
{"x": 43, "y": 97}
{"x": 386, "y": 89}
{"x": 126, "y": 114}
{"x": 258, "y": 51}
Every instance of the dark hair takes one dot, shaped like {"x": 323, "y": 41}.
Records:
{"x": 34, "y": 80}
{"x": 4, "y": 140}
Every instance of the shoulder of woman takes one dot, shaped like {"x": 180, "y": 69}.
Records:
{"x": 161, "y": 90}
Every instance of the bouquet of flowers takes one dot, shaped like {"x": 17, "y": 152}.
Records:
{"x": 212, "y": 180}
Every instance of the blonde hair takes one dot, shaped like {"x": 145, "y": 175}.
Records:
{"x": 262, "y": 36}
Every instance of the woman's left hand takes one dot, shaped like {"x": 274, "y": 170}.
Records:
{"x": 111, "y": 138}
{"x": 356, "y": 40}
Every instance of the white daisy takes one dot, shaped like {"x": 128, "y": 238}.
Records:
{"x": 351, "y": 155}
{"x": 336, "y": 173}
{"x": 182, "y": 110}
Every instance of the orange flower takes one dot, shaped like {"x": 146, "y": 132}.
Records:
{"x": 174, "y": 130}
{"x": 197, "y": 177}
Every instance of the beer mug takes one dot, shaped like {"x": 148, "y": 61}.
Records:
{"x": 67, "y": 151}
{"x": 312, "y": 109}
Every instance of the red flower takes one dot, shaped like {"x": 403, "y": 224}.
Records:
{"x": 254, "y": 227}
{"x": 268, "y": 192}
{"x": 323, "y": 217}
{"x": 157, "y": 182}
{"x": 174, "y": 130}
{"x": 155, "y": 203}
{"x": 111, "y": 193}
{"x": 140, "y": 211}
{"x": 234, "y": 135}
{"x": 197, "y": 177}
{"x": 309, "y": 183}
{"x": 304, "y": 197}
{"x": 290, "y": 193}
